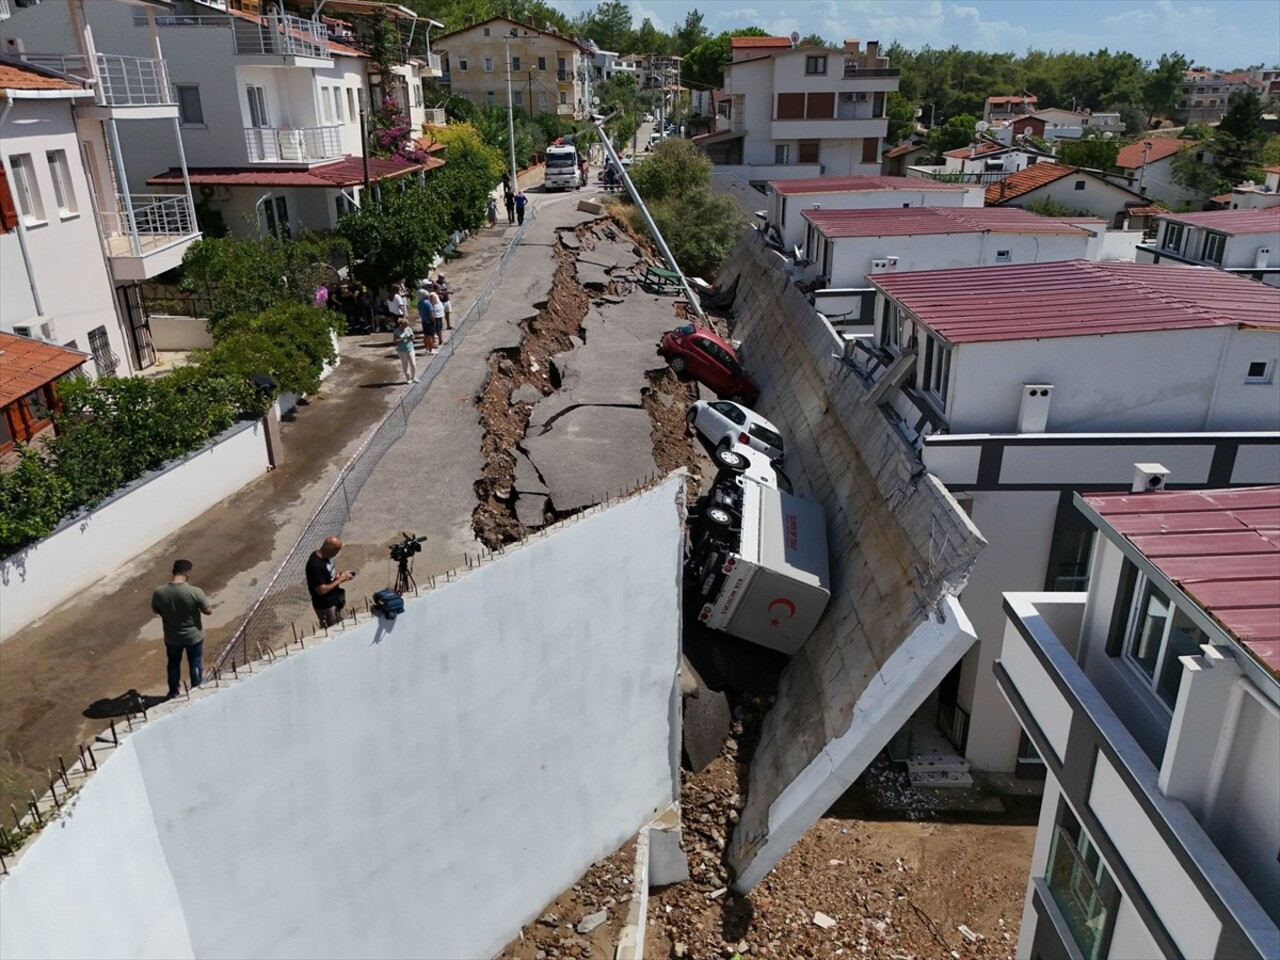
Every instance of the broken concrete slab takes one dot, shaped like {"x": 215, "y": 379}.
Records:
{"x": 591, "y": 274}
{"x": 526, "y": 393}
{"x": 569, "y": 240}
{"x": 590, "y": 206}
{"x": 668, "y": 863}
{"x": 592, "y": 920}
{"x": 527, "y": 480}
{"x": 531, "y": 509}
{"x": 593, "y": 451}
{"x": 707, "y": 721}
{"x": 607, "y": 372}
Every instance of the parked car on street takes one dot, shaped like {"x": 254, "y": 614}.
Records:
{"x": 710, "y": 360}
{"x": 727, "y": 424}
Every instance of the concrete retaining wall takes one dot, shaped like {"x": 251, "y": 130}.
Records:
{"x": 170, "y": 332}
{"x": 900, "y": 545}
{"x": 91, "y": 546}
{"x": 420, "y": 790}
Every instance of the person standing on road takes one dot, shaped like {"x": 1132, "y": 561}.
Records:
{"x": 442, "y": 288}
{"x": 404, "y": 349}
{"x": 397, "y": 305}
{"x": 520, "y": 202}
{"x": 493, "y": 212}
{"x": 179, "y": 606}
{"x": 437, "y": 312}
{"x": 427, "y": 316}
{"x": 511, "y": 209}
{"x": 324, "y": 582}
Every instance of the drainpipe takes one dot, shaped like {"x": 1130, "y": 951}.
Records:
{"x": 22, "y": 227}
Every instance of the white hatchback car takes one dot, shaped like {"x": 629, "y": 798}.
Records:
{"x": 728, "y": 424}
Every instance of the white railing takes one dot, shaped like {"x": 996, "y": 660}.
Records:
{"x": 158, "y": 220}
{"x": 296, "y": 144}
{"x": 5, "y": 12}
{"x": 435, "y": 116}
{"x": 118, "y": 81}
{"x": 433, "y": 61}
{"x": 261, "y": 36}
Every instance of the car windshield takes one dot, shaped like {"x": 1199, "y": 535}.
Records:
{"x": 561, "y": 160}
{"x": 765, "y": 435}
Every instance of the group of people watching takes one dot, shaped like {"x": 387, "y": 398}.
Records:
{"x": 435, "y": 313}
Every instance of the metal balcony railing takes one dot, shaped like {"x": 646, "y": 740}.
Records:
{"x": 296, "y": 144}
{"x": 433, "y": 61}
{"x": 146, "y": 222}
{"x": 852, "y": 70}
{"x": 282, "y": 35}
{"x": 118, "y": 81}
{"x": 564, "y": 76}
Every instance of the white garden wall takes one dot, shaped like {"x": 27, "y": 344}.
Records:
{"x": 84, "y": 550}
{"x": 420, "y": 790}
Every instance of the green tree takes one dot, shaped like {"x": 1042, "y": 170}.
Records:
{"x": 237, "y": 275}
{"x": 814, "y": 40}
{"x": 608, "y": 25}
{"x": 1191, "y": 171}
{"x": 647, "y": 39}
{"x": 704, "y": 64}
{"x": 1238, "y": 140}
{"x": 902, "y": 117}
{"x": 955, "y": 133}
{"x": 1094, "y": 154}
{"x": 289, "y": 342}
{"x": 1160, "y": 91}
{"x": 688, "y": 34}
{"x": 675, "y": 168}
{"x": 34, "y": 496}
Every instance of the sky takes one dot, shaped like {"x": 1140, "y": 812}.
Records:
{"x": 1221, "y": 34}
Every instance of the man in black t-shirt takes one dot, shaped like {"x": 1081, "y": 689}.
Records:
{"x": 324, "y": 582}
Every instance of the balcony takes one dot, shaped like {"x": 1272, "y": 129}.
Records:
{"x": 124, "y": 87}
{"x": 147, "y": 234}
{"x": 272, "y": 41}
{"x": 293, "y": 144}
{"x": 828, "y": 129}
{"x": 564, "y": 76}
{"x": 433, "y": 65}
{"x": 852, "y": 71}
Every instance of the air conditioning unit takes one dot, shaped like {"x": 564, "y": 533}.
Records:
{"x": 37, "y": 331}
{"x": 849, "y": 97}
{"x": 862, "y": 97}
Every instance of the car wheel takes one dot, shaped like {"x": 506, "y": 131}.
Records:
{"x": 679, "y": 364}
{"x": 719, "y": 516}
{"x": 730, "y": 459}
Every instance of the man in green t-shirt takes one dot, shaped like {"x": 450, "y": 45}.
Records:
{"x": 179, "y": 606}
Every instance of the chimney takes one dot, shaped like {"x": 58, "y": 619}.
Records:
{"x": 873, "y": 49}
{"x": 1033, "y": 415}
{"x": 1149, "y": 477}
{"x": 851, "y": 46}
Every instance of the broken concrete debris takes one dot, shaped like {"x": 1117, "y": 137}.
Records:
{"x": 820, "y": 919}
{"x": 592, "y": 920}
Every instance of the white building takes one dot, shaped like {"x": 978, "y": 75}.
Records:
{"x": 1023, "y": 384}
{"x": 1258, "y": 196}
{"x": 788, "y": 199}
{"x": 1154, "y": 699}
{"x": 845, "y": 249}
{"x": 1073, "y": 189}
{"x": 1246, "y": 242}
{"x": 803, "y": 111}
{"x": 607, "y": 64}
{"x": 990, "y": 160}
{"x": 82, "y": 239}
{"x": 1146, "y": 167}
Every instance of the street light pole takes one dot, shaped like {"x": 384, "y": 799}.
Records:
{"x": 511, "y": 122}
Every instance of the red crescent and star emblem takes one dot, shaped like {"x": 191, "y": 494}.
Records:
{"x": 786, "y": 605}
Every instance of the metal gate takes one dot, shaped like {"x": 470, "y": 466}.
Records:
{"x": 144, "y": 349}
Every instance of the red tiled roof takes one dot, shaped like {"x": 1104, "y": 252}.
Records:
{"x": 27, "y": 365}
{"x": 1219, "y": 547}
{"x": 902, "y": 149}
{"x": 1145, "y": 210}
{"x": 438, "y": 45}
{"x": 1029, "y": 98}
{"x": 1024, "y": 181}
{"x": 1272, "y": 169}
{"x": 1079, "y": 298}
{"x": 976, "y": 150}
{"x": 15, "y": 76}
{"x": 1130, "y": 155}
{"x": 914, "y": 221}
{"x": 743, "y": 43}
{"x": 1233, "y": 222}
{"x": 852, "y": 184}
{"x": 347, "y": 172}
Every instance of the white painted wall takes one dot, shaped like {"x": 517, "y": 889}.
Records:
{"x": 1039, "y": 864}
{"x": 852, "y": 256}
{"x": 1096, "y": 198}
{"x": 1129, "y": 936}
{"x": 1109, "y": 384}
{"x": 785, "y": 210}
{"x": 38, "y": 578}
{"x": 1048, "y": 707}
{"x": 84, "y": 299}
{"x": 421, "y": 790}
{"x": 17, "y": 305}
{"x": 179, "y": 333}
{"x": 1156, "y": 183}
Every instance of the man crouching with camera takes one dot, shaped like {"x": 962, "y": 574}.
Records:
{"x": 324, "y": 582}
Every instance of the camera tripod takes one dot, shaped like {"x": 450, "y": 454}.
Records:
{"x": 404, "y": 576}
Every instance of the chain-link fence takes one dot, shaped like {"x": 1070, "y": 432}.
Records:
{"x": 273, "y": 615}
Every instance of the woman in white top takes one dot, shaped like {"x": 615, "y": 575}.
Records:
{"x": 437, "y": 311}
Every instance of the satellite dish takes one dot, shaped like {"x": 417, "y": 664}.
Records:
{"x": 1108, "y": 135}
{"x": 795, "y": 37}
{"x": 982, "y": 126}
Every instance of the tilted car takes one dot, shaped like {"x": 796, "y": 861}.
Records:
{"x": 728, "y": 424}
{"x": 709, "y": 359}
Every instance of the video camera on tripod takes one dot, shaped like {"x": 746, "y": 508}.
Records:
{"x": 402, "y": 552}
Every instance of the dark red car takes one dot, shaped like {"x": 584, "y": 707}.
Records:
{"x": 710, "y": 360}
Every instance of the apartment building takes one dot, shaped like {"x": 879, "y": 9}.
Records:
{"x": 1020, "y": 386}
{"x": 1245, "y": 241}
{"x": 266, "y": 106}
{"x": 550, "y": 73}
{"x": 1146, "y": 167}
{"x": 802, "y": 112}
{"x": 989, "y": 160}
{"x": 1153, "y": 697}
{"x": 998, "y": 110}
{"x": 1058, "y": 124}
{"x": 1203, "y": 96}
{"x": 82, "y": 236}
{"x": 1257, "y": 196}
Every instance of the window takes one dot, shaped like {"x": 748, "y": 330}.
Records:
{"x": 1070, "y": 550}
{"x": 1172, "y": 239}
{"x": 1081, "y": 885}
{"x": 782, "y": 153}
{"x": 1214, "y": 245}
{"x": 257, "y": 98}
{"x": 25, "y": 188}
{"x": 564, "y": 97}
{"x": 489, "y": 97}
{"x": 815, "y": 66}
{"x": 542, "y": 63}
{"x": 542, "y": 98}
{"x": 790, "y": 106}
{"x": 190, "y": 110}
{"x": 892, "y": 326}
{"x": 104, "y": 357}
{"x": 808, "y": 152}
{"x": 1159, "y": 633}
{"x": 515, "y": 63}
{"x": 1079, "y": 185}
{"x": 870, "y": 149}
{"x": 342, "y": 205}
{"x": 486, "y": 31}
{"x": 60, "y": 174}
{"x": 1004, "y": 256}
{"x": 820, "y": 106}
{"x": 488, "y": 64}
{"x": 351, "y": 103}
{"x": 935, "y": 368}
{"x": 462, "y": 64}
{"x": 326, "y": 106}
{"x": 1259, "y": 372}
{"x": 337, "y": 105}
